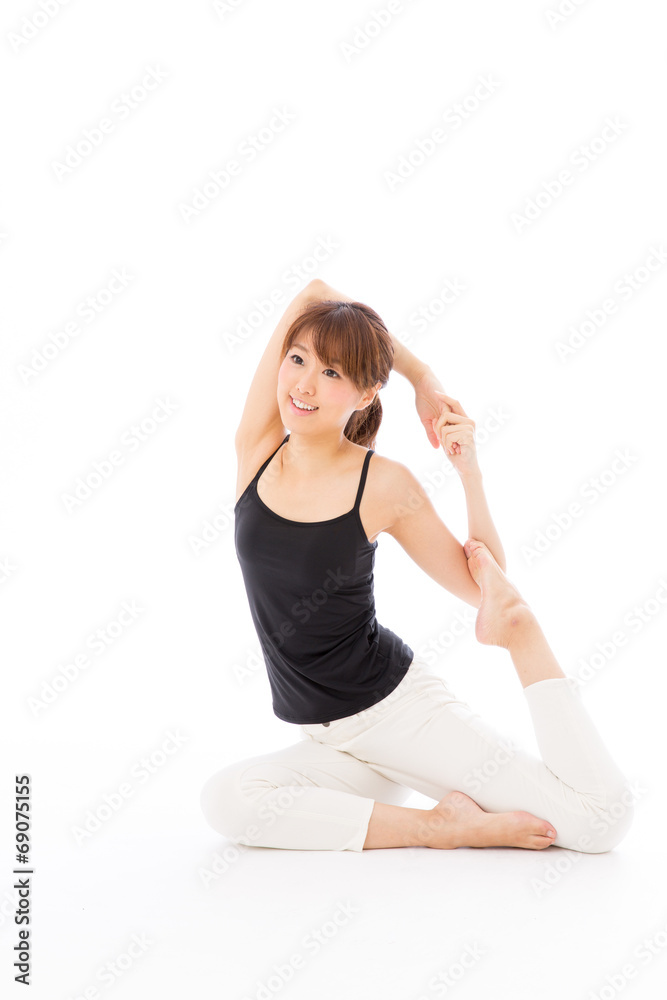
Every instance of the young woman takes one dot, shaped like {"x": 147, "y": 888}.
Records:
{"x": 375, "y": 722}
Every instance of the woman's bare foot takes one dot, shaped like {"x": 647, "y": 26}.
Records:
{"x": 502, "y": 607}
{"x": 457, "y": 821}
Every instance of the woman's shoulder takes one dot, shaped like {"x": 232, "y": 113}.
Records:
{"x": 394, "y": 491}
{"x": 392, "y": 482}
{"x": 389, "y": 470}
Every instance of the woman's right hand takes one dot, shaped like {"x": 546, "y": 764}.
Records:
{"x": 456, "y": 430}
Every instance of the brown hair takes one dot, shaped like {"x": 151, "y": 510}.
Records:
{"x": 356, "y": 334}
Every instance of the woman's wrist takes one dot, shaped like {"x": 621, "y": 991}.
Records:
{"x": 472, "y": 478}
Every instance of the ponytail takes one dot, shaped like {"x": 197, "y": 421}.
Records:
{"x": 363, "y": 425}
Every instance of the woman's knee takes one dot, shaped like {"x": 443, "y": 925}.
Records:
{"x": 223, "y": 803}
{"x": 602, "y": 829}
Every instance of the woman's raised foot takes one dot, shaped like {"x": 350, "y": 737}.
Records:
{"x": 503, "y": 609}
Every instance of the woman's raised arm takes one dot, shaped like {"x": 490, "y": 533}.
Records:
{"x": 261, "y": 414}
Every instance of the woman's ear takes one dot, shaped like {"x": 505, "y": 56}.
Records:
{"x": 365, "y": 401}
{"x": 376, "y": 387}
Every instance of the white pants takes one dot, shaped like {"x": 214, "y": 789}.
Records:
{"x": 318, "y": 793}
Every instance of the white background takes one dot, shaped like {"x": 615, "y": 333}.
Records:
{"x": 360, "y": 98}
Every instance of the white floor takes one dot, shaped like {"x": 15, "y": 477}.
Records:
{"x": 211, "y": 920}
{"x": 204, "y": 918}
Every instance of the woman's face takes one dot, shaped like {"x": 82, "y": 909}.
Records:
{"x": 332, "y": 395}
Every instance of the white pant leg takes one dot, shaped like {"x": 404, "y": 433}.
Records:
{"x": 424, "y": 738}
{"x": 305, "y": 797}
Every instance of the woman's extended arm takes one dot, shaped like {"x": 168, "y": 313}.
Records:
{"x": 458, "y": 440}
{"x": 261, "y": 414}
{"x": 480, "y": 522}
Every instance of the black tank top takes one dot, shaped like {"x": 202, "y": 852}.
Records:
{"x": 310, "y": 589}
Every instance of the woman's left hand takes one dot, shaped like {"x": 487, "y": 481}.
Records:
{"x": 456, "y": 430}
{"x": 429, "y": 405}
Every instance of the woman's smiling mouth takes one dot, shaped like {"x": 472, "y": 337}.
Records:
{"x": 303, "y": 407}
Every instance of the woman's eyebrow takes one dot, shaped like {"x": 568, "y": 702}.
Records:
{"x": 336, "y": 361}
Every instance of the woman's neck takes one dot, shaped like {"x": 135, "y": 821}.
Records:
{"x": 313, "y": 454}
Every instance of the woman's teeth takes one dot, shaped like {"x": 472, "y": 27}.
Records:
{"x": 302, "y": 406}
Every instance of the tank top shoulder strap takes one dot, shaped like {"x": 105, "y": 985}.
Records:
{"x": 362, "y": 480}
{"x": 264, "y": 464}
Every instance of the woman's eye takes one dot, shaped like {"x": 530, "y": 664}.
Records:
{"x": 296, "y": 357}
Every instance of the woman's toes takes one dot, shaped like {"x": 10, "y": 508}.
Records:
{"x": 470, "y": 545}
